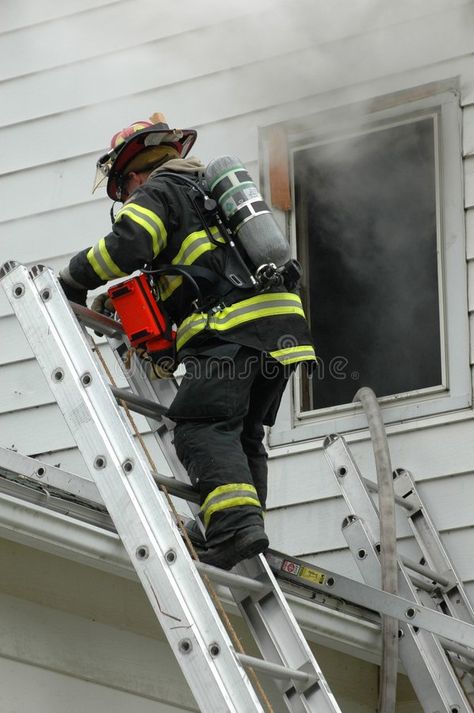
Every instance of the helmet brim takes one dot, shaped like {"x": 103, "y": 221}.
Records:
{"x": 115, "y": 165}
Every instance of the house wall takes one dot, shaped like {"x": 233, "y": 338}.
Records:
{"x": 72, "y": 74}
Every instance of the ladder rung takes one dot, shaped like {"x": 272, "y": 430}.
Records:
{"x": 274, "y": 669}
{"x": 221, "y": 576}
{"x": 99, "y": 322}
{"x": 426, "y": 572}
{"x": 141, "y": 410}
{"x": 459, "y": 649}
{"x": 375, "y": 489}
{"x": 461, "y": 665}
{"x": 139, "y": 404}
{"x": 422, "y": 584}
{"x": 176, "y": 487}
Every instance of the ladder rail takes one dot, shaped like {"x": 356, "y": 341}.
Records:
{"x": 84, "y": 489}
{"x": 452, "y": 590}
{"x": 317, "y": 578}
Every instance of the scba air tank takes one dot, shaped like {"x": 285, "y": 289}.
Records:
{"x": 245, "y": 212}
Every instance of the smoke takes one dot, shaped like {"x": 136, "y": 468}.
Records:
{"x": 366, "y": 211}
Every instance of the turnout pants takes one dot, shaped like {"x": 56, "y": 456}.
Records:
{"x": 228, "y": 394}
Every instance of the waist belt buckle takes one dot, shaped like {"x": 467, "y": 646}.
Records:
{"x": 208, "y": 305}
{"x": 218, "y": 307}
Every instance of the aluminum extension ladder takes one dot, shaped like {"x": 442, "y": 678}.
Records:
{"x": 214, "y": 669}
{"x": 431, "y": 584}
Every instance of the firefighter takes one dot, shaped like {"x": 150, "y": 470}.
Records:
{"x": 239, "y": 347}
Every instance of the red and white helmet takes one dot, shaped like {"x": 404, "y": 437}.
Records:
{"x": 141, "y": 146}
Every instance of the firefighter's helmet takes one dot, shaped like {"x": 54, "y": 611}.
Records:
{"x": 141, "y": 146}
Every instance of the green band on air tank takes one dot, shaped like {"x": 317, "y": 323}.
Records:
{"x": 226, "y": 173}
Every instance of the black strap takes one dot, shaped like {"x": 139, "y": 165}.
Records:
{"x": 220, "y": 288}
{"x": 238, "y": 271}
{"x": 219, "y": 285}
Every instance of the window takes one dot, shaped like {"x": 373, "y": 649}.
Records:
{"x": 366, "y": 220}
{"x": 378, "y": 225}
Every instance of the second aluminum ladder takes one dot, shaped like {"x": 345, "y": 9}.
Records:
{"x": 429, "y": 584}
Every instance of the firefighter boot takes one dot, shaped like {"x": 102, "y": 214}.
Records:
{"x": 246, "y": 542}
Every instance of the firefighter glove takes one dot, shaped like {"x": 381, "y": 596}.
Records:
{"x": 103, "y": 304}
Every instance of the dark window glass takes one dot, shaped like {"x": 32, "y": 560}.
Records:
{"x": 366, "y": 229}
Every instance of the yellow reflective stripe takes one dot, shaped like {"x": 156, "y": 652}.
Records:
{"x": 275, "y": 298}
{"x": 198, "y": 251}
{"x": 194, "y": 245}
{"x": 215, "y": 323}
{"x": 292, "y": 360}
{"x": 266, "y": 305}
{"x": 292, "y": 354}
{"x": 228, "y": 496}
{"x": 228, "y": 488}
{"x": 268, "y": 297}
{"x": 101, "y": 262}
{"x": 148, "y": 220}
{"x": 228, "y": 503}
{"x": 96, "y": 265}
{"x": 191, "y": 328}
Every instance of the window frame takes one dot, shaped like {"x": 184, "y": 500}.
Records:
{"x": 455, "y": 393}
